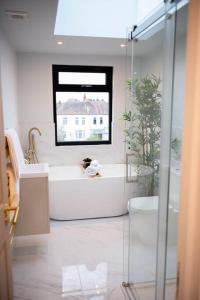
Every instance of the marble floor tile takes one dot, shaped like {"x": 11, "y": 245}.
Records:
{"x": 77, "y": 260}
{"x": 83, "y": 260}
{"x": 146, "y": 291}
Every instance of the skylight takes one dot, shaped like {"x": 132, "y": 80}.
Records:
{"x": 94, "y": 18}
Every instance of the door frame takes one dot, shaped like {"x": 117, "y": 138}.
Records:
{"x": 6, "y": 284}
{"x": 189, "y": 220}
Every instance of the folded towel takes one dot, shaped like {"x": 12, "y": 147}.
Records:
{"x": 14, "y": 151}
{"x": 94, "y": 163}
{"x": 93, "y": 169}
{"x": 13, "y": 187}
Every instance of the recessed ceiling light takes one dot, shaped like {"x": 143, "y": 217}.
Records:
{"x": 60, "y": 42}
{"x": 122, "y": 45}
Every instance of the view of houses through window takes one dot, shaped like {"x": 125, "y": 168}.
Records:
{"x": 82, "y": 116}
{"x": 82, "y": 104}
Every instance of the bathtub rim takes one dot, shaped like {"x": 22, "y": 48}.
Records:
{"x": 95, "y": 218}
{"x": 82, "y": 176}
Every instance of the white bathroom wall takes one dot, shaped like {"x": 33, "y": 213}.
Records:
{"x": 8, "y": 70}
{"x": 153, "y": 64}
{"x": 36, "y": 107}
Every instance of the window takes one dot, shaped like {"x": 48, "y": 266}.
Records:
{"x": 80, "y": 134}
{"x": 94, "y": 120}
{"x": 77, "y": 121}
{"x": 83, "y": 120}
{"x": 65, "y": 121}
{"x": 82, "y": 97}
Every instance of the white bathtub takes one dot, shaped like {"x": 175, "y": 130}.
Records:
{"x": 73, "y": 195}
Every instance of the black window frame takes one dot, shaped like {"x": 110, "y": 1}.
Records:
{"x": 108, "y": 87}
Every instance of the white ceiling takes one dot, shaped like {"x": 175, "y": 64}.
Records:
{"x": 36, "y": 33}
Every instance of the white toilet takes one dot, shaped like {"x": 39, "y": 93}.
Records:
{"x": 143, "y": 219}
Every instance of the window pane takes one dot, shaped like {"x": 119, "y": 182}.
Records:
{"x": 83, "y": 120}
{"x": 87, "y": 116}
{"x": 81, "y": 78}
{"x": 76, "y": 121}
{"x": 64, "y": 121}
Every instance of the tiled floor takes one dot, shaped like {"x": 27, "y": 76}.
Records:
{"x": 83, "y": 260}
{"x": 77, "y": 260}
{"x": 146, "y": 291}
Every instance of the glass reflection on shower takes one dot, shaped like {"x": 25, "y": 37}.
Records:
{"x": 143, "y": 115}
{"x": 155, "y": 96}
{"x": 176, "y": 142}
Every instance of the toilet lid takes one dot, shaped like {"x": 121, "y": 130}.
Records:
{"x": 143, "y": 204}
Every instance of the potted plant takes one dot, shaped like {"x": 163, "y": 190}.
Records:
{"x": 142, "y": 133}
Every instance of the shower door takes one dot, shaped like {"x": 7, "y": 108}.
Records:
{"x": 155, "y": 92}
{"x": 178, "y": 91}
{"x": 145, "y": 57}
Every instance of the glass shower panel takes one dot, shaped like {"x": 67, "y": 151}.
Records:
{"x": 143, "y": 114}
{"x": 155, "y": 90}
{"x": 147, "y": 8}
{"x": 175, "y": 157}
{"x": 127, "y": 187}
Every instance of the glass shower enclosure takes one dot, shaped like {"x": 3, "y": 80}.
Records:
{"x": 154, "y": 121}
